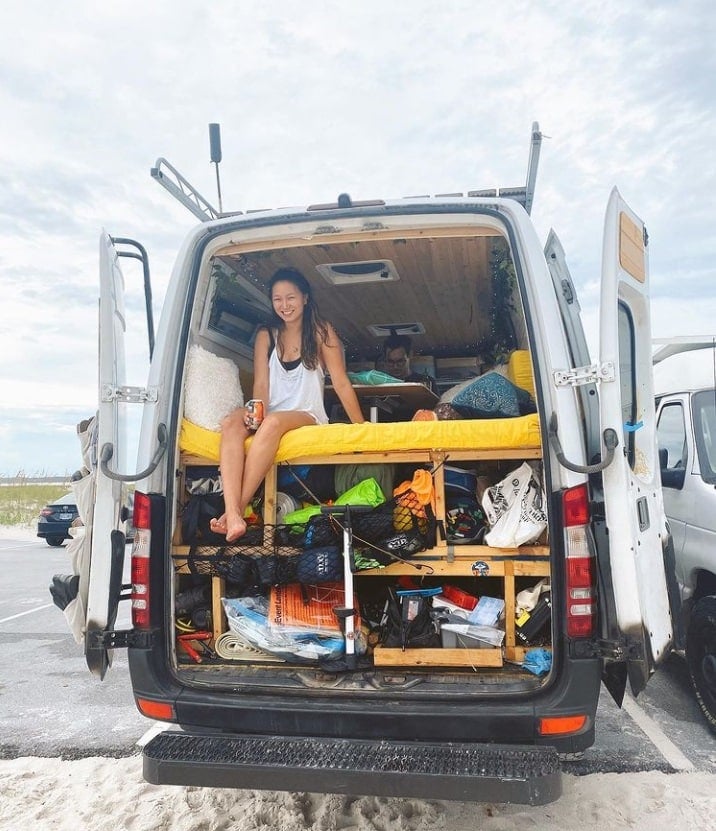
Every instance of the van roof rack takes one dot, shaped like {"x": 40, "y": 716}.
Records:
{"x": 170, "y": 179}
{"x": 667, "y": 347}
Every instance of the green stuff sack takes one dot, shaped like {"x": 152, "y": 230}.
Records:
{"x": 301, "y": 516}
{"x": 367, "y": 492}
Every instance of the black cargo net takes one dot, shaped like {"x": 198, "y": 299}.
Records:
{"x": 394, "y": 531}
{"x": 247, "y": 562}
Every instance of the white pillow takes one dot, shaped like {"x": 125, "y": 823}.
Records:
{"x": 212, "y": 388}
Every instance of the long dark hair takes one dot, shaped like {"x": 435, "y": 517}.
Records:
{"x": 312, "y": 324}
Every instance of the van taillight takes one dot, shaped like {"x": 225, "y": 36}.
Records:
{"x": 581, "y": 600}
{"x": 142, "y": 517}
{"x": 140, "y": 561}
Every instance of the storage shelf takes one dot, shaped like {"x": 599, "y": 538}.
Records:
{"x": 445, "y": 560}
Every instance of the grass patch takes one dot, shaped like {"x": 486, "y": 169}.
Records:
{"x": 21, "y": 504}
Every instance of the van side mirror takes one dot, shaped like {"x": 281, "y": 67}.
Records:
{"x": 673, "y": 477}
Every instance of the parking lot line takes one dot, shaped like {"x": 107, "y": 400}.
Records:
{"x": 157, "y": 728}
{"x": 656, "y": 735}
{"x": 28, "y": 612}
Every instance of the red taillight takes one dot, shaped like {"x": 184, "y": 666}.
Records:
{"x": 142, "y": 517}
{"x": 575, "y": 506}
{"x": 581, "y": 597}
{"x": 140, "y": 561}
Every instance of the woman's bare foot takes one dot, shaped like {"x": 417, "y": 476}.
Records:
{"x": 218, "y": 524}
{"x": 232, "y": 529}
{"x": 236, "y": 529}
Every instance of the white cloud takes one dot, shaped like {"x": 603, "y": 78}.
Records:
{"x": 377, "y": 99}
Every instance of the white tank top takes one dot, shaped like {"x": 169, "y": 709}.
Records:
{"x": 296, "y": 389}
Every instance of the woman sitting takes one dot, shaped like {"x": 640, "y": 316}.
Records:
{"x": 291, "y": 358}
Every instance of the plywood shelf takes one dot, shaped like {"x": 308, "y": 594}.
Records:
{"x": 393, "y": 657}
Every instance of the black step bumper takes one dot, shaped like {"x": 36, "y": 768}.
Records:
{"x": 449, "y": 771}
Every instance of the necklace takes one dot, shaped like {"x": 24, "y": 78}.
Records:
{"x": 287, "y": 353}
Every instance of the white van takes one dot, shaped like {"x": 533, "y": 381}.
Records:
{"x": 686, "y": 430}
{"x": 488, "y": 717}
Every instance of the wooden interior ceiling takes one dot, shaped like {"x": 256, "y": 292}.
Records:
{"x": 444, "y": 285}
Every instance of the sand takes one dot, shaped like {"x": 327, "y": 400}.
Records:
{"x": 110, "y": 794}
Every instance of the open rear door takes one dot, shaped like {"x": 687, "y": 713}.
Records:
{"x": 570, "y": 311}
{"x": 107, "y": 540}
{"x": 638, "y": 538}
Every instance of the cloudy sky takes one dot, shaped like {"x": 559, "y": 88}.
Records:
{"x": 379, "y": 99}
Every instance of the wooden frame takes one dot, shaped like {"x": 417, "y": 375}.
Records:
{"x": 444, "y": 560}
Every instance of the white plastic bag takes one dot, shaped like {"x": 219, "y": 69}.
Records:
{"x": 515, "y": 509}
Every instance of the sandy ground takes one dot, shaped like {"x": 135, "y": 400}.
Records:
{"x": 99, "y": 793}
{"x": 110, "y": 794}
{"x": 19, "y": 532}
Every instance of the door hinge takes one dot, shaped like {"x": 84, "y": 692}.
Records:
{"x": 120, "y": 639}
{"x": 581, "y": 375}
{"x": 130, "y": 395}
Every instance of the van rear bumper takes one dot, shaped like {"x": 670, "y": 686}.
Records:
{"x": 447, "y": 771}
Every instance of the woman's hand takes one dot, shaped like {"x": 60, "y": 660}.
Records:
{"x": 332, "y": 357}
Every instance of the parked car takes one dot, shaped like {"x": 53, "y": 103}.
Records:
{"x": 686, "y": 430}
{"x": 55, "y": 519}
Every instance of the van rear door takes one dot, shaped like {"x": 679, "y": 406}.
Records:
{"x": 107, "y": 540}
{"x": 638, "y": 538}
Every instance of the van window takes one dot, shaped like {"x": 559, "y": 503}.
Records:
{"x": 704, "y": 409}
{"x": 671, "y": 433}
{"x": 627, "y": 378}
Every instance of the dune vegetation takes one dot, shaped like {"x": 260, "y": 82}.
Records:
{"x": 20, "y": 504}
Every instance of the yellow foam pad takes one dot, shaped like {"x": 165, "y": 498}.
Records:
{"x": 330, "y": 439}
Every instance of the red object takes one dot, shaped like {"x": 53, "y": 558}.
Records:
{"x": 200, "y": 635}
{"x": 142, "y": 520}
{"x": 460, "y": 598}
{"x": 580, "y": 564}
{"x": 255, "y": 413}
{"x": 191, "y": 652}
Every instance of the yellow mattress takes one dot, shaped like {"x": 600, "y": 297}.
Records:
{"x": 329, "y": 439}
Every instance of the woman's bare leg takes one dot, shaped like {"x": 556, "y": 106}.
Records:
{"x": 232, "y": 456}
{"x": 262, "y": 451}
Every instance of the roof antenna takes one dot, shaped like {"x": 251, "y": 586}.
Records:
{"x": 215, "y": 149}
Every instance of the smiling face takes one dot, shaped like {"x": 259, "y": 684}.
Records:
{"x": 288, "y": 301}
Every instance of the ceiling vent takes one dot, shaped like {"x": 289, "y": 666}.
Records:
{"x": 364, "y": 271}
{"x": 382, "y": 330}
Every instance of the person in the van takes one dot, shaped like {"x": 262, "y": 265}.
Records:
{"x": 291, "y": 357}
{"x": 395, "y": 360}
